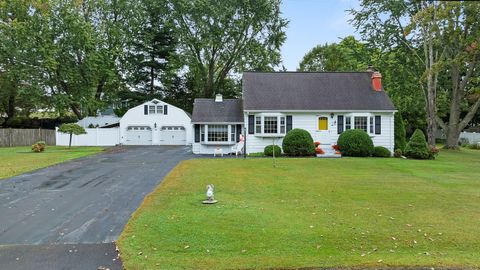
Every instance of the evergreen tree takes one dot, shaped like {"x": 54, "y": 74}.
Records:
{"x": 417, "y": 147}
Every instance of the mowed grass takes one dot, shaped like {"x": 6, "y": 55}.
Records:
{"x": 349, "y": 212}
{"x": 18, "y": 160}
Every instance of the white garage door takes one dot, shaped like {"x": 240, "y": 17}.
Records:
{"x": 139, "y": 135}
{"x": 173, "y": 135}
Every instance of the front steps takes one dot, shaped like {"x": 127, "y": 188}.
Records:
{"x": 329, "y": 152}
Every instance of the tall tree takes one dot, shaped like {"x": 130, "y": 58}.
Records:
{"x": 459, "y": 35}
{"x": 19, "y": 85}
{"x": 442, "y": 39}
{"x": 348, "y": 55}
{"x": 151, "y": 54}
{"x": 220, "y": 39}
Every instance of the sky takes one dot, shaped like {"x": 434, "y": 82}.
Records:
{"x": 313, "y": 22}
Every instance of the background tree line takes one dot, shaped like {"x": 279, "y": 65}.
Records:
{"x": 65, "y": 56}
{"x": 428, "y": 53}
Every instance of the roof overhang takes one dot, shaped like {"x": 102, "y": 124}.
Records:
{"x": 318, "y": 111}
{"x": 217, "y": 123}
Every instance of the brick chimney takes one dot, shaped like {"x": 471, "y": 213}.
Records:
{"x": 377, "y": 81}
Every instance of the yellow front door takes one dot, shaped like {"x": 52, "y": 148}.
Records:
{"x": 322, "y": 123}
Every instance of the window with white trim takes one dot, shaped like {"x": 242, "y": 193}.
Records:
{"x": 151, "y": 109}
{"x": 361, "y": 122}
{"x": 270, "y": 125}
{"x": 159, "y": 109}
{"x": 348, "y": 122}
{"x": 233, "y": 132}
{"x": 217, "y": 133}
{"x": 258, "y": 124}
{"x": 282, "y": 124}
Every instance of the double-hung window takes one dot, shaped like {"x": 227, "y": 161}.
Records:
{"x": 202, "y": 133}
{"x": 270, "y": 125}
{"x": 361, "y": 122}
{"x": 159, "y": 109}
{"x": 233, "y": 132}
{"x": 258, "y": 124}
{"x": 348, "y": 122}
{"x": 282, "y": 124}
{"x": 151, "y": 109}
{"x": 217, "y": 133}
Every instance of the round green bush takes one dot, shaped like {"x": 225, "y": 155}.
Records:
{"x": 380, "y": 151}
{"x": 298, "y": 142}
{"x": 417, "y": 147}
{"x": 397, "y": 153}
{"x": 268, "y": 150}
{"x": 355, "y": 143}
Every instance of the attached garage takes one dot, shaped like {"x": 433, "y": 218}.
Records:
{"x": 173, "y": 135}
{"x": 139, "y": 135}
{"x": 156, "y": 123}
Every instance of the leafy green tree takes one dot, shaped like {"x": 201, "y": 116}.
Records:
{"x": 442, "y": 38}
{"x": 19, "y": 83}
{"x": 348, "y": 55}
{"x": 72, "y": 129}
{"x": 400, "y": 135}
{"x": 217, "y": 40}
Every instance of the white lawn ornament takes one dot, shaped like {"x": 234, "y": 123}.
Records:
{"x": 210, "y": 197}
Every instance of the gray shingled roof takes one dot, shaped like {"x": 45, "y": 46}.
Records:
{"x": 312, "y": 91}
{"x": 209, "y": 111}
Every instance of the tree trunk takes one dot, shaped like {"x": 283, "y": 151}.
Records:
{"x": 453, "y": 135}
{"x": 70, "y": 142}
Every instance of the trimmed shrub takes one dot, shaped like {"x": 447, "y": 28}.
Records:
{"x": 397, "y": 153}
{"x": 355, "y": 143}
{"x": 298, "y": 142}
{"x": 400, "y": 134}
{"x": 417, "y": 147}
{"x": 268, "y": 150}
{"x": 380, "y": 151}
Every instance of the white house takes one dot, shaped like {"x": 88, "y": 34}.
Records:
{"x": 217, "y": 124}
{"x": 156, "y": 123}
{"x": 323, "y": 103}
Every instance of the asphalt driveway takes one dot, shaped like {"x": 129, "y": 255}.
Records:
{"x": 85, "y": 201}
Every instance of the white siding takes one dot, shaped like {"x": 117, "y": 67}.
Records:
{"x": 174, "y": 117}
{"x": 309, "y": 122}
{"x": 208, "y": 149}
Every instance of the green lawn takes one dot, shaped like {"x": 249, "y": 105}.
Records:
{"x": 348, "y": 212}
{"x": 18, "y": 160}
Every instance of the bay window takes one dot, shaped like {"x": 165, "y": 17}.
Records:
{"x": 258, "y": 124}
{"x": 282, "y": 124}
{"x": 270, "y": 125}
{"x": 217, "y": 133}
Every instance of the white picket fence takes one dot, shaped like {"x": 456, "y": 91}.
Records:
{"x": 94, "y": 137}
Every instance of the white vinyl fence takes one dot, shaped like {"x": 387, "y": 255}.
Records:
{"x": 472, "y": 137}
{"x": 94, "y": 137}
